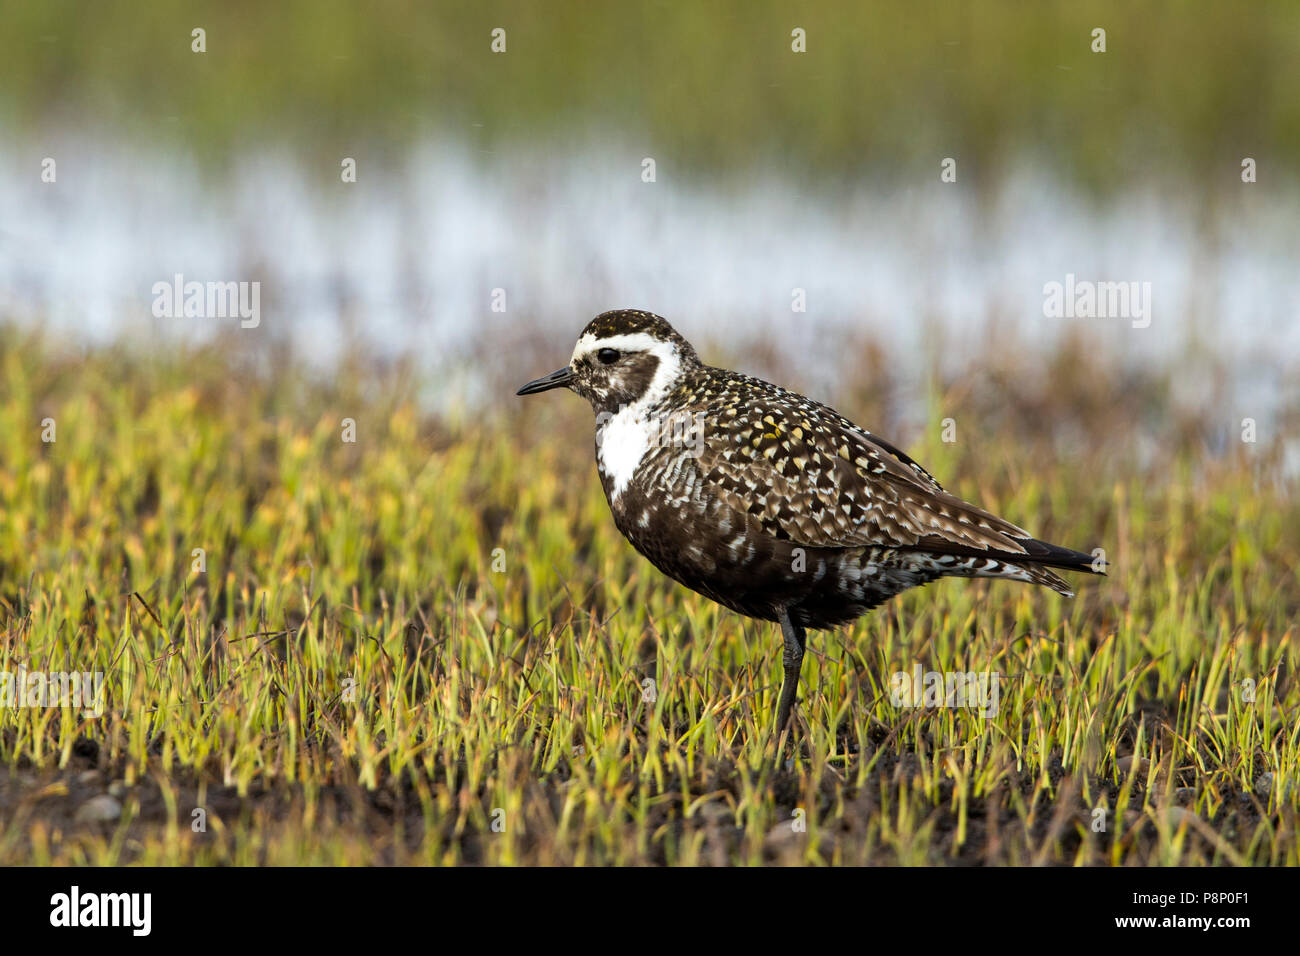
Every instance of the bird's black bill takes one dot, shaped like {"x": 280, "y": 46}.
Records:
{"x": 557, "y": 379}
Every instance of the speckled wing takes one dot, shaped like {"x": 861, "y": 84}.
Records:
{"x": 809, "y": 475}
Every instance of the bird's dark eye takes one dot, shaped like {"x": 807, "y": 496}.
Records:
{"x": 607, "y": 356}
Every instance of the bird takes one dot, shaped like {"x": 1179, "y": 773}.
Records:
{"x": 768, "y": 502}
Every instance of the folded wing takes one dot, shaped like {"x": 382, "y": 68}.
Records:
{"x": 809, "y": 475}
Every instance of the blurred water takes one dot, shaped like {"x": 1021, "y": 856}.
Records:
{"x": 408, "y": 256}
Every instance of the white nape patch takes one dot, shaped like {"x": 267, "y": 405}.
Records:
{"x": 623, "y": 439}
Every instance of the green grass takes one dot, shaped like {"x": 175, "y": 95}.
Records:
{"x": 1189, "y": 87}
{"x": 351, "y": 681}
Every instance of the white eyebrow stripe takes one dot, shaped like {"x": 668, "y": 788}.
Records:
{"x": 670, "y": 363}
{"x": 628, "y": 341}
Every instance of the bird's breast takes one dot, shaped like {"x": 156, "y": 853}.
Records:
{"x": 622, "y": 442}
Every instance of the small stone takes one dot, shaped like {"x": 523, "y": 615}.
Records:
{"x": 99, "y": 809}
{"x": 88, "y": 778}
{"x": 1177, "y": 816}
{"x": 117, "y": 788}
{"x": 1126, "y": 764}
{"x": 1264, "y": 785}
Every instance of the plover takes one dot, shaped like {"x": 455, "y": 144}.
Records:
{"x": 772, "y": 504}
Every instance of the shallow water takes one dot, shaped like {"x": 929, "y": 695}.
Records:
{"x": 407, "y": 257}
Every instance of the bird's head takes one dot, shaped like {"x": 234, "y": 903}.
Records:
{"x": 622, "y": 358}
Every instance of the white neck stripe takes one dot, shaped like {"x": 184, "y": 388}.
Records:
{"x": 624, "y": 439}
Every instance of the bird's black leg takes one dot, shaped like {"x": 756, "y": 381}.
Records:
{"x": 793, "y": 660}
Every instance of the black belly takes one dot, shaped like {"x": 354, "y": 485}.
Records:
{"x": 724, "y": 556}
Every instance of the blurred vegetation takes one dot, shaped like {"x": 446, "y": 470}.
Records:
{"x": 1188, "y": 87}
{"x": 359, "y": 675}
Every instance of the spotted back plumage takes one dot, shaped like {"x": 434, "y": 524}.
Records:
{"x": 809, "y": 474}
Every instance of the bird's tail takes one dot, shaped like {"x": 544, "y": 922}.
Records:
{"x": 1033, "y": 566}
{"x": 1037, "y": 574}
